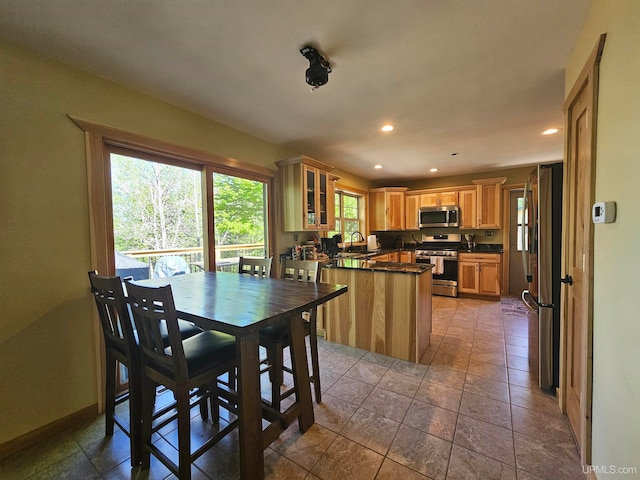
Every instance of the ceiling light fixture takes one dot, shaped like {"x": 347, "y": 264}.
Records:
{"x": 433, "y": 170}
{"x": 387, "y": 128}
{"x": 319, "y": 67}
{"x": 454, "y": 154}
{"x": 550, "y": 131}
{"x": 377, "y": 166}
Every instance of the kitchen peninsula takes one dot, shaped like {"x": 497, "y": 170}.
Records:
{"x": 387, "y": 309}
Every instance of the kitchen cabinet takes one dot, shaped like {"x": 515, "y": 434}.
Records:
{"x": 479, "y": 273}
{"x": 468, "y": 208}
{"x": 489, "y": 194}
{"x": 407, "y": 256}
{"x": 308, "y": 194}
{"x": 412, "y": 205}
{"x": 438, "y": 199}
{"x": 387, "y": 209}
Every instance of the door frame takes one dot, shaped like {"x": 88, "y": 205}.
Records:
{"x": 589, "y": 79}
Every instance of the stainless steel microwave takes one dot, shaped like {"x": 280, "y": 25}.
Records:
{"x": 448, "y": 216}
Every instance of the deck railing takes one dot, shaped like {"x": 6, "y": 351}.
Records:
{"x": 227, "y": 256}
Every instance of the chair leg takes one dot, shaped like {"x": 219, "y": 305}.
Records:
{"x": 147, "y": 400}
{"x": 315, "y": 365}
{"x": 184, "y": 434}
{"x": 110, "y": 394}
{"x": 135, "y": 418}
{"x": 203, "y": 404}
{"x": 277, "y": 375}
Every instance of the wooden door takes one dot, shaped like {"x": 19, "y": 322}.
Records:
{"x": 448, "y": 198}
{"x": 468, "y": 208}
{"x": 429, "y": 200}
{"x": 489, "y": 198}
{"x": 577, "y": 299}
{"x": 468, "y": 273}
{"x": 489, "y": 279}
{"x": 412, "y": 205}
{"x": 579, "y": 227}
{"x": 395, "y": 206}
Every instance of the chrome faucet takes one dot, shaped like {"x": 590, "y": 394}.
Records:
{"x": 361, "y": 237}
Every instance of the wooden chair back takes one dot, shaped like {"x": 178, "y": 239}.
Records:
{"x": 153, "y": 312}
{"x": 115, "y": 320}
{"x": 300, "y": 270}
{"x": 258, "y": 267}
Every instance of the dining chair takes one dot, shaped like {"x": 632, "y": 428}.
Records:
{"x": 276, "y": 338}
{"x": 184, "y": 366}
{"x": 258, "y": 267}
{"x": 121, "y": 346}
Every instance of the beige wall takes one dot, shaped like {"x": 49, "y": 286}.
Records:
{"x": 616, "y": 351}
{"x": 47, "y": 357}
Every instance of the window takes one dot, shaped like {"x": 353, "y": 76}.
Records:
{"x": 349, "y": 215}
{"x": 522, "y": 219}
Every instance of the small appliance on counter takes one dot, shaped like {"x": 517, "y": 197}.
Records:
{"x": 330, "y": 245}
{"x": 470, "y": 239}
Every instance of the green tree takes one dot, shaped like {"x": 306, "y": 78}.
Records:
{"x": 238, "y": 210}
{"x": 155, "y": 206}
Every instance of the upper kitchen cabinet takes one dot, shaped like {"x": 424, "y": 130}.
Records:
{"x": 489, "y": 201}
{"x": 411, "y": 208}
{"x": 438, "y": 199}
{"x": 468, "y": 208}
{"x": 387, "y": 209}
{"x": 308, "y": 194}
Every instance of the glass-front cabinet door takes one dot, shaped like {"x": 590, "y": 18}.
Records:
{"x": 322, "y": 199}
{"x": 310, "y": 178}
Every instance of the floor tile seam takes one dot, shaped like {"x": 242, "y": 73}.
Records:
{"x": 308, "y": 470}
{"x": 514, "y": 466}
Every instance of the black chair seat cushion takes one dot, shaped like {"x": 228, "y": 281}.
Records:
{"x": 279, "y": 333}
{"x": 205, "y": 351}
{"x": 187, "y": 330}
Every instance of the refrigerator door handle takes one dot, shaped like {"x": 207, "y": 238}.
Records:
{"x": 526, "y": 295}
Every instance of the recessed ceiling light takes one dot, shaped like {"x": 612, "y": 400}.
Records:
{"x": 387, "y": 128}
{"x": 550, "y": 131}
{"x": 377, "y": 166}
{"x": 454, "y": 154}
{"x": 433, "y": 170}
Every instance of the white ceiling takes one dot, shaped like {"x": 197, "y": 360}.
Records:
{"x": 481, "y": 78}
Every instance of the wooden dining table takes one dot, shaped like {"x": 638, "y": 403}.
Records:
{"x": 242, "y": 305}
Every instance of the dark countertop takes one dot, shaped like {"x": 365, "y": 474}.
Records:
{"x": 483, "y": 248}
{"x": 360, "y": 263}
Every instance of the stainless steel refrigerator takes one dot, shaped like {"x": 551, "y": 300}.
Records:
{"x": 542, "y": 252}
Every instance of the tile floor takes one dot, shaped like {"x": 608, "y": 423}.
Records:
{"x": 470, "y": 410}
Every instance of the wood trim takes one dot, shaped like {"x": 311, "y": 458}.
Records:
{"x": 140, "y": 143}
{"x": 46, "y": 431}
{"x": 349, "y": 189}
{"x": 588, "y": 78}
{"x": 487, "y": 181}
{"x": 304, "y": 159}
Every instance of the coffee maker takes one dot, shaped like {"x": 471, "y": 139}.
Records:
{"x": 470, "y": 238}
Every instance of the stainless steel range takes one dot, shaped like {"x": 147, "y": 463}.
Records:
{"x": 442, "y": 252}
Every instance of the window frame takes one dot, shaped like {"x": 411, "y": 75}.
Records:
{"x": 341, "y": 190}
{"x": 101, "y": 141}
